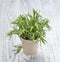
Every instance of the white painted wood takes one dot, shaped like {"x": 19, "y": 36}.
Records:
{"x": 10, "y": 9}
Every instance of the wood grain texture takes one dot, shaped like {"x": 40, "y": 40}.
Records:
{"x": 10, "y": 9}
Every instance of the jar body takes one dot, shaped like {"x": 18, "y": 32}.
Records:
{"x": 29, "y": 47}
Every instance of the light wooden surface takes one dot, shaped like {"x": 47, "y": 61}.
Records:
{"x": 10, "y": 9}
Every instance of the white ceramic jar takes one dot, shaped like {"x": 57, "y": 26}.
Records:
{"x": 29, "y": 47}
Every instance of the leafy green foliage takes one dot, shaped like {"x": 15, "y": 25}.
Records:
{"x": 17, "y": 49}
{"x": 31, "y": 27}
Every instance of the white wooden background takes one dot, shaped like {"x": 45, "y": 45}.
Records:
{"x": 10, "y": 9}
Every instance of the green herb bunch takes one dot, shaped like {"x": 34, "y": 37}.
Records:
{"x": 31, "y": 27}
